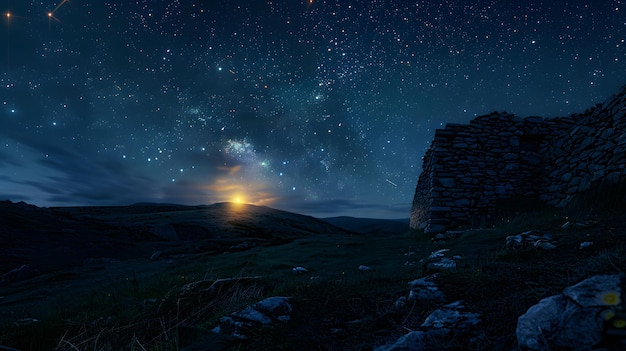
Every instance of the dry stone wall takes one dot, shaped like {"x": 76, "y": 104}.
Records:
{"x": 471, "y": 170}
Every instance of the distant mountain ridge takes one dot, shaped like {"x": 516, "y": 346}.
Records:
{"x": 370, "y": 225}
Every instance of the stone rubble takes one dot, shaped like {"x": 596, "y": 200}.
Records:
{"x": 425, "y": 290}
{"x": 265, "y": 312}
{"x": 438, "y": 262}
{"x": 530, "y": 240}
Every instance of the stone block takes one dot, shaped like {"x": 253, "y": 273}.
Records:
{"x": 462, "y": 203}
{"x": 433, "y": 229}
{"x": 447, "y": 182}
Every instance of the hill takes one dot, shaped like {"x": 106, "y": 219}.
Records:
{"x": 161, "y": 277}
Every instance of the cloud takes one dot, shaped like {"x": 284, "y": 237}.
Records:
{"x": 60, "y": 176}
{"x": 230, "y": 170}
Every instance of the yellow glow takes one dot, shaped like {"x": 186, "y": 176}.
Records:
{"x": 8, "y": 14}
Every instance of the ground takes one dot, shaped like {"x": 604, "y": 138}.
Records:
{"x": 134, "y": 302}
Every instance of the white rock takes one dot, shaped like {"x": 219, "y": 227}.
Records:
{"x": 453, "y": 316}
{"x": 544, "y": 245}
{"x": 444, "y": 264}
{"x": 572, "y": 318}
{"x": 586, "y": 244}
{"x": 424, "y": 290}
{"x": 437, "y": 254}
{"x": 299, "y": 270}
{"x": 155, "y": 256}
{"x": 266, "y": 312}
{"x": 364, "y": 268}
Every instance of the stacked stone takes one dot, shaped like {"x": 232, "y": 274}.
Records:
{"x": 593, "y": 150}
{"x": 469, "y": 169}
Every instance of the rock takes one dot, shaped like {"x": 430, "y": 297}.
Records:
{"x": 266, "y": 312}
{"x": 569, "y": 224}
{"x": 365, "y": 268}
{"x": 447, "y": 182}
{"x": 434, "y": 229}
{"x": 448, "y": 235}
{"x": 155, "y": 256}
{"x": 18, "y": 274}
{"x": 243, "y": 246}
{"x": 424, "y": 290}
{"x": 571, "y": 320}
{"x": 586, "y": 244}
{"x": 544, "y": 245}
{"x": 217, "y": 286}
{"x": 20, "y": 323}
{"x": 299, "y": 270}
{"x": 438, "y": 254}
{"x": 451, "y": 316}
{"x": 442, "y": 324}
{"x": 528, "y": 240}
{"x": 437, "y": 261}
{"x": 443, "y": 264}
{"x": 462, "y": 203}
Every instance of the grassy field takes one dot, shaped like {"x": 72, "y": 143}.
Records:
{"x": 137, "y": 305}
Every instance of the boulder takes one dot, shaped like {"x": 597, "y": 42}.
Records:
{"x": 573, "y": 320}
{"x": 424, "y": 290}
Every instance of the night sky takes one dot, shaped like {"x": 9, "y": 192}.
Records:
{"x": 321, "y": 107}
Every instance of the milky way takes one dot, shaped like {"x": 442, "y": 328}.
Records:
{"x": 323, "y": 107}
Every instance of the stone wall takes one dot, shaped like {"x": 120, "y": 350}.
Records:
{"x": 472, "y": 170}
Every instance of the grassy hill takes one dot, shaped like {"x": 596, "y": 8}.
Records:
{"x": 134, "y": 303}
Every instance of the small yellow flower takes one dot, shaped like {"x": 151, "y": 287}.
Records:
{"x": 608, "y": 315}
{"x": 609, "y": 298}
{"x": 619, "y": 323}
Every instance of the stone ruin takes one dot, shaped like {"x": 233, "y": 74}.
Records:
{"x": 472, "y": 170}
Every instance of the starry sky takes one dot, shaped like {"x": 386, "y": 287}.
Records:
{"x": 321, "y": 107}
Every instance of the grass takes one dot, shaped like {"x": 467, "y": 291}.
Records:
{"x": 337, "y": 306}
{"x": 140, "y": 311}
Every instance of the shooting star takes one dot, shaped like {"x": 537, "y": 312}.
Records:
{"x": 392, "y": 183}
